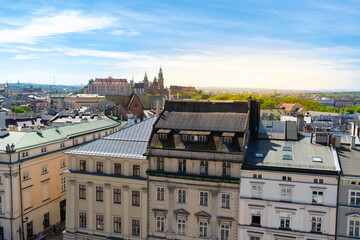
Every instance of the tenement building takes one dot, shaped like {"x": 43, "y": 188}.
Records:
{"x": 196, "y": 151}
{"x": 348, "y": 222}
{"x": 32, "y": 183}
{"x": 107, "y": 186}
{"x": 288, "y": 190}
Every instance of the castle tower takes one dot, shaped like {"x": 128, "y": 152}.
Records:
{"x": 161, "y": 79}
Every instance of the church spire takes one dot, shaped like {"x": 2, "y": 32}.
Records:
{"x": 161, "y": 79}
{"x": 146, "y": 80}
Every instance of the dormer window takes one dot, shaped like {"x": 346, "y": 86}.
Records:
{"x": 228, "y": 137}
{"x": 162, "y": 136}
{"x": 227, "y": 140}
{"x": 185, "y": 138}
{"x": 202, "y": 138}
{"x": 163, "y": 133}
{"x": 194, "y": 138}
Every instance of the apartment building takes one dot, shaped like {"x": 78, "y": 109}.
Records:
{"x": 108, "y": 86}
{"x": 348, "y": 221}
{"x": 33, "y": 187}
{"x": 83, "y": 100}
{"x": 196, "y": 151}
{"x": 288, "y": 190}
{"x": 107, "y": 186}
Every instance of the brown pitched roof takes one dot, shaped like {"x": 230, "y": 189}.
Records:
{"x": 110, "y": 80}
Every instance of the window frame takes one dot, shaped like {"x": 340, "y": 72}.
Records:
{"x": 162, "y": 194}
{"x": 316, "y": 221}
{"x": 160, "y": 223}
{"x": 135, "y": 198}
{"x": 119, "y": 222}
{"x": 227, "y": 201}
{"x": 183, "y": 194}
{"x": 82, "y": 191}
{"x": 82, "y": 219}
{"x": 203, "y": 229}
{"x": 117, "y": 195}
{"x": 99, "y": 193}
{"x": 204, "y": 198}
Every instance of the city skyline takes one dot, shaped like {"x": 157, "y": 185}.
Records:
{"x": 302, "y": 45}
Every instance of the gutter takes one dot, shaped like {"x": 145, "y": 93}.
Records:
{"x": 11, "y": 200}
{"x": 21, "y": 202}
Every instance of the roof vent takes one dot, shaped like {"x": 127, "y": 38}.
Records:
{"x": 39, "y": 132}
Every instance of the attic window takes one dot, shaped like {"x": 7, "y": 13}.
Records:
{"x": 259, "y": 155}
{"x": 317, "y": 159}
{"x": 163, "y": 136}
{"x": 185, "y": 138}
{"x": 287, "y": 148}
{"x": 202, "y": 138}
{"x": 287, "y": 157}
{"x": 228, "y": 140}
{"x": 194, "y": 138}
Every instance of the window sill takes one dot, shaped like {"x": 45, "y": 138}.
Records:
{"x": 44, "y": 173}
{"x": 284, "y": 228}
{"x": 24, "y": 180}
{"x": 117, "y": 203}
{"x": 82, "y": 198}
{"x": 316, "y": 232}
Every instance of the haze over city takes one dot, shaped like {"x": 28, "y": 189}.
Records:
{"x": 260, "y": 44}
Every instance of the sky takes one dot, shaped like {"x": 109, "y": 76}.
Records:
{"x": 279, "y": 44}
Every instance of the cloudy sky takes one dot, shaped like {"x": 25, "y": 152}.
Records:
{"x": 256, "y": 43}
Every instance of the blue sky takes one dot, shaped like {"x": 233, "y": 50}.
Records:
{"x": 256, "y": 43}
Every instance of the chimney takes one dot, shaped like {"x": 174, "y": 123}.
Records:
{"x": 352, "y": 143}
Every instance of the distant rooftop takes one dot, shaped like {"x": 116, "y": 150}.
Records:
{"x": 349, "y": 160}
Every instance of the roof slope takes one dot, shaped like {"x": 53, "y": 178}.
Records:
{"x": 130, "y": 142}
{"x": 349, "y": 160}
{"x": 33, "y": 139}
{"x": 208, "y": 121}
{"x": 302, "y": 153}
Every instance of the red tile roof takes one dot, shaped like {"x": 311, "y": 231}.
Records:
{"x": 110, "y": 80}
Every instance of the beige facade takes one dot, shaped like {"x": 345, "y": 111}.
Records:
{"x": 108, "y": 86}
{"x": 83, "y": 100}
{"x": 117, "y": 202}
{"x": 108, "y": 189}
{"x": 33, "y": 184}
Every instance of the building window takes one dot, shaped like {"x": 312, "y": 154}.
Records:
{"x": 354, "y": 198}
{"x": 62, "y": 145}
{"x": 117, "y": 168}
{"x": 117, "y": 195}
{"x": 316, "y": 223}
{"x": 135, "y": 198}
{"x": 76, "y": 142}
{"x": 254, "y": 238}
{"x": 117, "y": 225}
{"x": 99, "y": 194}
{"x": 227, "y": 140}
{"x": 354, "y": 228}
{"x": 136, "y": 170}
{"x": 100, "y": 167}
{"x": 160, "y": 223}
{"x": 318, "y": 180}
{"x": 285, "y": 220}
{"x": 286, "y": 194}
{"x": 1, "y": 205}
{"x": 204, "y": 167}
{"x": 203, "y": 198}
{"x": 63, "y": 184}
{"x": 226, "y": 169}
{"x": 286, "y": 178}
{"x": 185, "y": 138}
{"x": 194, "y": 138}
{"x": 225, "y": 201}
{"x": 62, "y": 163}
{"x": 82, "y": 191}
{"x": 160, "y": 164}
{"x": 224, "y": 231}
{"x": 26, "y": 175}
{"x": 135, "y": 227}
{"x": 203, "y": 229}
{"x": 43, "y": 149}
{"x": 162, "y": 136}
{"x": 160, "y": 194}
{"x": 257, "y": 176}
{"x": 202, "y": 138}
{"x": 182, "y": 166}
{"x": 82, "y": 219}
{"x": 82, "y": 165}
{"x": 99, "y": 222}
{"x": 46, "y": 222}
{"x": 317, "y": 197}
{"x": 255, "y": 216}
{"x": 256, "y": 191}
{"x": 181, "y": 226}
{"x": 44, "y": 169}
{"x": 181, "y": 196}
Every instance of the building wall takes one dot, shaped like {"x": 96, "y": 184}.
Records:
{"x": 109, "y": 89}
{"x": 300, "y": 205}
{"x": 126, "y": 182}
{"x": 346, "y": 210}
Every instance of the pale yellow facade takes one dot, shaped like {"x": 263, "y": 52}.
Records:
{"x": 33, "y": 187}
{"x": 127, "y": 210}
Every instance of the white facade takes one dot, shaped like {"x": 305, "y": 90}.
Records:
{"x": 280, "y": 205}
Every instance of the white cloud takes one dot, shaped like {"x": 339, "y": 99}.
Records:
{"x": 63, "y": 23}
{"x": 24, "y": 57}
{"x": 130, "y": 32}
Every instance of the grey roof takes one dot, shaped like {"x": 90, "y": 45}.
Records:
{"x": 203, "y": 121}
{"x": 302, "y": 153}
{"x": 349, "y": 160}
{"x": 130, "y": 142}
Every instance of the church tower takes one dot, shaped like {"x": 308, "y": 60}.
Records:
{"x": 161, "y": 79}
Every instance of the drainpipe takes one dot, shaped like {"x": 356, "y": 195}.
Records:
{"x": 11, "y": 201}
{"x": 21, "y": 203}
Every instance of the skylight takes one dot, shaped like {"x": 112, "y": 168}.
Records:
{"x": 259, "y": 155}
{"x": 287, "y": 148}
{"x": 317, "y": 159}
{"x": 287, "y": 157}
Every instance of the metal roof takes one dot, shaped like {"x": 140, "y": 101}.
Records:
{"x": 349, "y": 160}
{"x": 203, "y": 121}
{"x": 130, "y": 142}
{"x": 302, "y": 153}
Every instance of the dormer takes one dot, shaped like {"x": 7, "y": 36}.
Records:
{"x": 228, "y": 137}
{"x": 194, "y": 136}
{"x": 163, "y": 134}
